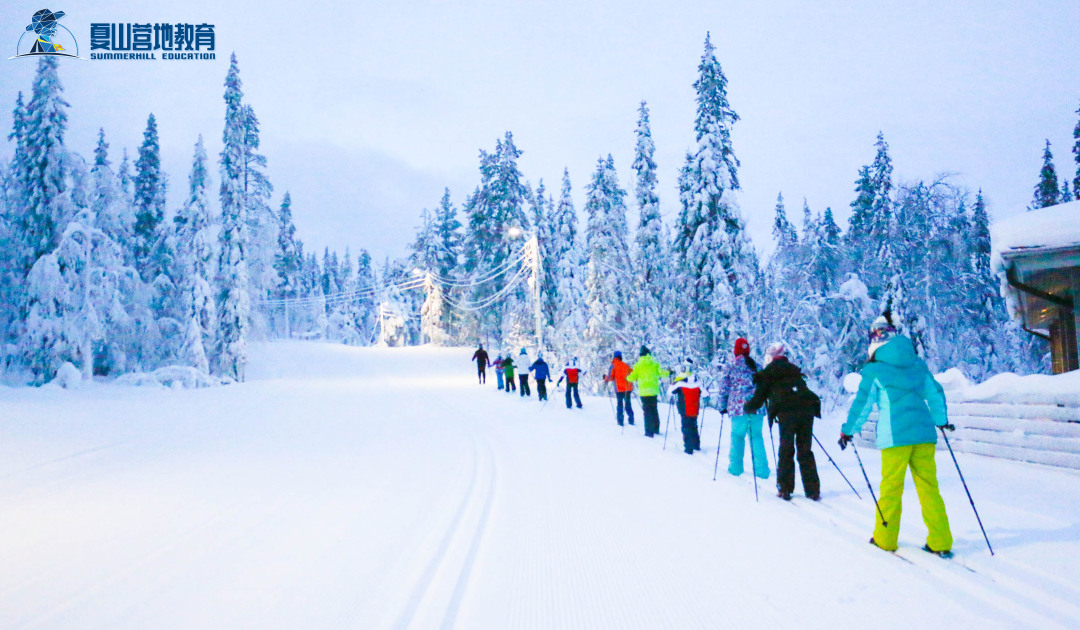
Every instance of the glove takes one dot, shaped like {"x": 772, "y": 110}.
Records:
{"x": 844, "y": 441}
{"x": 948, "y": 426}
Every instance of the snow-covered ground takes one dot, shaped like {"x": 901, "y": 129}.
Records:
{"x": 383, "y": 488}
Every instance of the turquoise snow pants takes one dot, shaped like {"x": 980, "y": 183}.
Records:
{"x": 740, "y": 425}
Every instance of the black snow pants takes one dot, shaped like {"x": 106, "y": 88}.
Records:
{"x": 797, "y": 435}
{"x": 572, "y": 388}
{"x": 652, "y": 415}
{"x": 690, "y": 438}
{"x": 622, "y": 400}
{"x": 541, "y": 389}
{"x": 523, "y": 380}
{"x": 481, "y": 373}
{"x": 510, "y": 387}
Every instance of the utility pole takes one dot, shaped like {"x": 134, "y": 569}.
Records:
{"x": 537, "y": 269}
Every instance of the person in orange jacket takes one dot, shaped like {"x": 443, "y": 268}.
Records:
{"x": 623, "y": 388}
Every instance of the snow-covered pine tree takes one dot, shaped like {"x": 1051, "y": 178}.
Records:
{"x": 344, "y": 310}
{"x": 650, "y": 255}
{"x": 716, "y": 263}
{"x": 1046, "y": 191}
{"x": 1066, "y": 194}
{"x": 14, "y": 256}
{"x": 609, "y": 279}
{"x": 195, "y": 265}
{"x": 233, "y": 299}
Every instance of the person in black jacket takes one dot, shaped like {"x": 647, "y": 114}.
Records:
{"x": 794, "y": 406}
{"x": 481, "y": 358}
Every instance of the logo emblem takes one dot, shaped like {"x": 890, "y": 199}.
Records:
{"x": 43, "y": 32}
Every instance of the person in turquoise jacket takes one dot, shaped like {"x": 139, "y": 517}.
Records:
{"x": 911, "y": 405}
{"x": 647, "y": 374}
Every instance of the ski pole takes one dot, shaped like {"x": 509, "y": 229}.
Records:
{"x": 776, "y": 462}
{"x": 667, "y": 424}
{"x": 834, "y": 465}
{"x": 753, "y": 461}
{"x": 970, "y": 500}
{"x": 717, "y": 464}
{"x": 884, "y": 523}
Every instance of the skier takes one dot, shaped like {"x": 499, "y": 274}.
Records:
{"x": 481, "y": 358}
{"x": 686, "y": 392}
{"x": 647, "y": 374}
{"x": 794, "y": 407}
{"x": 572, "y": 373}
{"x": 617, "y": 374}
{"x": 508, "y": 371}
{"x": 736, "y": 388}
{"x": 523, "y": 362}
{"x": 540, "y": 371}
{"x": 911, "y": 404}
{"x": 499, "y": 370}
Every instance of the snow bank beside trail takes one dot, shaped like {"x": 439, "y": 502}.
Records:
{"x": 1059, "y": 389}
{"x": 175, "y": 376}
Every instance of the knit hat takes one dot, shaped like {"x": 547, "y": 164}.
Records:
{"x": 618, "y": 354}
{"x": 644, "y": 350}
{"x": 742, "y": 347}
{"x": 573, "y": 362}
{"x": 776, "y": 350}
{"x": 523, "y": 351}
{"x": 881, "y": 332}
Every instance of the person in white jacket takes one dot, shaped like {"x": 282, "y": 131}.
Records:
{"x": 522, "y": 362}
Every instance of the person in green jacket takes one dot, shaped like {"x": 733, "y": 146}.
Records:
{"x": 508, "y": 372}
{"x": 911, "y": 405}
{"x": 647, "y": 374}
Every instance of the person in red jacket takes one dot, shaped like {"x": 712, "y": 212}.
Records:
{"x": 623, "y": 388}
{"x": 572, "y": 373}
{"x": 687, "y": 394}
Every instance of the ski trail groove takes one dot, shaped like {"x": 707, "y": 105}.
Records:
{"x": 437, "y": 596}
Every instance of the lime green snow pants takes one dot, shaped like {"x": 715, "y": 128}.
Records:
{"x": 894, "y": 465}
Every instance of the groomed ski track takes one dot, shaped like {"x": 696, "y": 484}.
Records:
{"x": 383, "y": 488}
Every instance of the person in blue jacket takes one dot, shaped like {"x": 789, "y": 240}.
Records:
{"x": 911, "y": 406}
{"x": 542, "y": 374}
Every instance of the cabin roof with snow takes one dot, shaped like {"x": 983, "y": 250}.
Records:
{"x": 1036, "y": 255}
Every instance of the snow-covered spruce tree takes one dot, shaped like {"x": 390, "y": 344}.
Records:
{"x": 570, "y": 315}
{"x": 1046, "y": 191}
{"x": 150, "y": 190}
{"x": 1066, "y": 194}
{"x": 716, "y": 263}
{"x": 542, "y": 214}
{"x": 609, "y": 277}
{"x": 496, "y": 215}
{"x": 195, "y": 265}
{"x": 366, "y": 303}
{"x": 449, "y": 238}
{"x": 43, "y": 173}
{"x": 424, "y": 257}
{"x": 13, "y": 252}
{"x": 233, "y": 299}
{"x": 258, "y": 214}
{"x": 131, "y": 335}
{"x": 343, "y": 310}
{"x": 1076, "y": 158}
{"x": 289, "y": 257}
{"x": 650, "y": 251}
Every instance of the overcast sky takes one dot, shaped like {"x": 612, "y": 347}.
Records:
{"x": 369, "y": 109}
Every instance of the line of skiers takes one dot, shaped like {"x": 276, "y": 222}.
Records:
{"x": 910, "y": 402}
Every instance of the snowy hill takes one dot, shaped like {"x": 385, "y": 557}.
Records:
{"x": 383, "y": 488}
